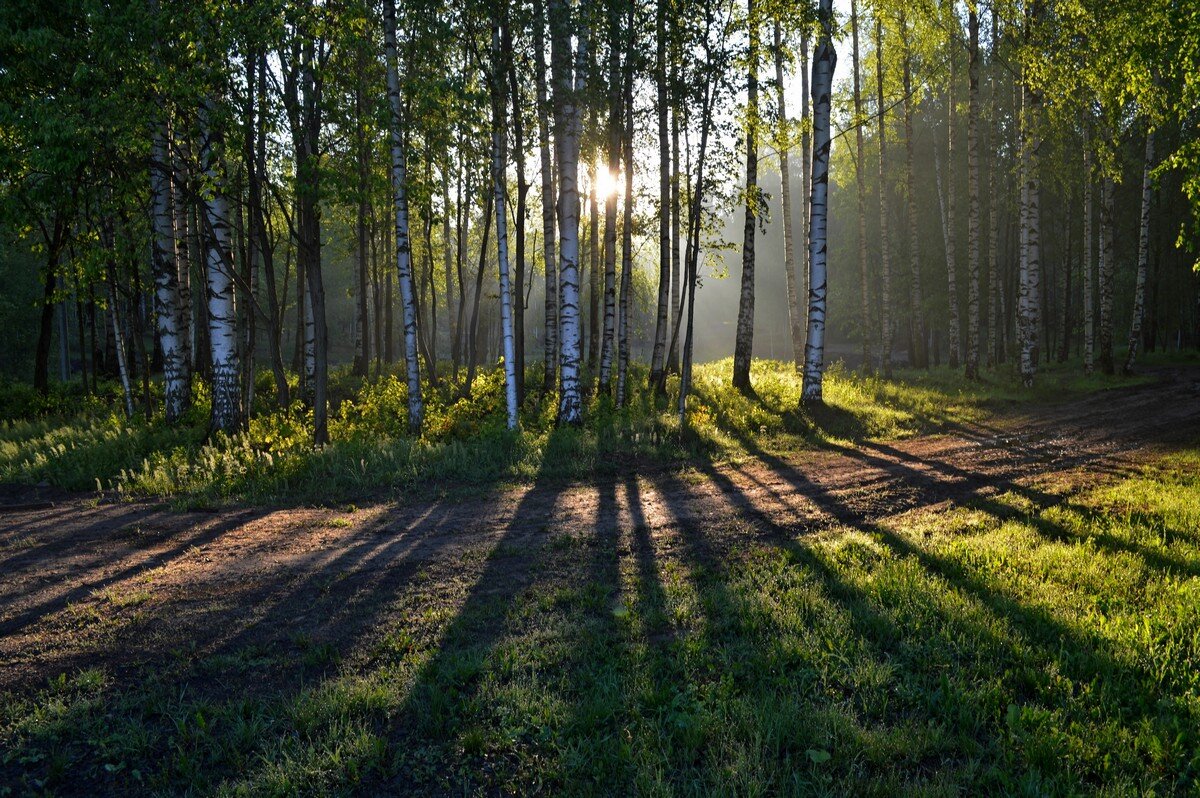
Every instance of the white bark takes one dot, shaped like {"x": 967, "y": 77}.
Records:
{"x": 917, "y": 343}
{"x": 861, "y": 191}
{"x": 743, "y": 349}
{"x": 1139, "y": 292}
{"x": 549, "y": 257}
{"x": 222, "y": 307}
{"x": 823, "y": 66}
{"x": 1029, "y": 308}
{"x": 569, "y": 79}
{"x": 166, "y": 280}
{"x": 1105, "y": 283}
{"x": 664, "y": 197}
{"x": 1089, "y": 317}
{"x": 950, "y": 217}
{"x": 625, "y": 304}
{"x": 119, "y": 343}
{"x": 885, "y": 266}
{"x": 995, "y": 350}
{"x": 608, "y": 336}
{"x": 400, "y": 200}
{"x": 795, "y": 322}
{"x": 499, "y": 187}
{"x": 972, "y": 369}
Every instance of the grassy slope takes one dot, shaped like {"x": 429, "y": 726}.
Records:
{"x": 465, "y": 442}
{"x": 1030, "y": 643}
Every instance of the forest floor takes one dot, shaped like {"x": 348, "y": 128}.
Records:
{"x": 1011, "y": 605}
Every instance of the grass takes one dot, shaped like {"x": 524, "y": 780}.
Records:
{"x": 1042, "y": 640}
{"x": 465, "y": 442}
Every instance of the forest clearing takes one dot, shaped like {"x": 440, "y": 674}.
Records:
{"x": 599, "y": 397}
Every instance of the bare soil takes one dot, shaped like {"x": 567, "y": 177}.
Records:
{"x": 134, "y": 586}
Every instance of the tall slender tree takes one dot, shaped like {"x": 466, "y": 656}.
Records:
{"x": 795, "y": 320}
{"x": 568, "y": 64}
{"x": 743, "y": 349}
{"x": 400, "y": 201}
{"x": 861, "y": 193}
{"x": 823, "y": 67}
{"x": 1139, "y": 290}
{"x": 499, "y": 187}
{"x": 972, "y": 360}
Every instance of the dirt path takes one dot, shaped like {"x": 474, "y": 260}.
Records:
{"x": 126, "y": 586}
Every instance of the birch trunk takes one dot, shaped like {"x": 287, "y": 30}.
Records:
{"x": 447, "y": 254}
{"x": 795, "y": 320}
{"x": 517, "y": 308}
{"x": 222, "y": 307}
{"x": 951, "y": 215}
{"x": 499, "y": 160}
{"x": 676, "y": 259}
{"x": 664, "y": 198}
{"x": 861, "y": 191}
{"x": 569, "y": 82}
{"x": 462, "y": 229}
{"x": 1089, "y": 319}
{"x": 916, "y": 335}
{"x": 309, "y": 160}
{"x": 626, "y": 289}
{"x": 608, "y": 340}
{"x": 1064, "y": 319}
{"x": 885, "y": 266}
{"x": 403, "y": 246}
{"x": 743, "y": 349}
{"x": 1030, "y": 288}
{"x": 1139, "y": 291}
{"x": 166, "y": 281}
{"x": 972, "y": 369}
{"x": 119, "y": 338}
{"x": 362, "y": 335}
{"x": 549, "y": 259}
{"x": 593, "y": 272}
{"x": 805, "y": 159}
{"x": 183, "y": 262}
{"x": 1107, "y": 214}
{"x": 823, "y": 66}
{"x": 995, "y": 322}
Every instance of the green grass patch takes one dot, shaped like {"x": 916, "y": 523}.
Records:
{"x": 465, "y": 442}
{"x": 1025, "y": 643}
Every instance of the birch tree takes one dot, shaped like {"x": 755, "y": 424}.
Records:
{"x": 1029, "y": 299}
{"x": 222, "y": 308}
{"x": 1089, "y": 301}
{"x": 823, "y": 66}
{"x": 549, "y": 259}
{"x": 916, "y": 345}
{"x": 861, "y": 191}
{"x": 795, "y": 320}
{"x": 568, "y": 65}
{"x": 499, "y": 160}
{"x": 658, "y": 356}
{"x": 885, "y": 266}
{"x": 951, "y": 216}
{"x": 177, "y": 394}
{"x": 626, "y": 288}
{"x": 1139, "y": 290}
{"x": 743, "y": 349}
{"x": 400, "y": 202}
{"x": 608, "y": 335}
{"x": 1105, "y": 273}
{"x": 972, "y": 359}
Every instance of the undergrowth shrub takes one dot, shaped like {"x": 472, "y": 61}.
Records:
{"x": 81, "y": 442}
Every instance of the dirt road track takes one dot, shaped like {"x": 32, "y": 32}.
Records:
{"x": 126, "y": 586}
